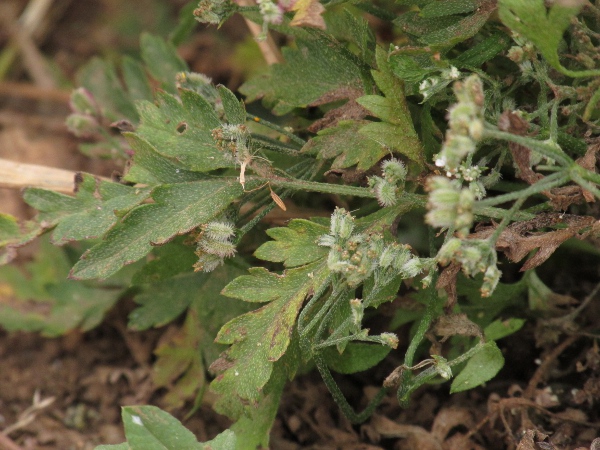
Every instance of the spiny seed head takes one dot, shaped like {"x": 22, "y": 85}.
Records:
{"x": 221, "y": 249}
{"x": 386, "y": 193}
{"x": 219, "y": 231}
{"x": 394, "y": 171}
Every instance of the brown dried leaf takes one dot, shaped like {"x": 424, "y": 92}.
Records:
{"x": 456, "y": 324}
{"x": 513, "y": 123}
{"x": 515, "y": 244}
{"x": 449, "y": 418}
{"x": 415, "y": 436}
{"x": 447, "y": 281}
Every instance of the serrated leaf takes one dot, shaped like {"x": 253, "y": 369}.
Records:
{"x": 150, "y": 428}
{"x": 441, "y": 8}
{"x": 260, "y": 338}
{"x": 357, "y": 357}
{"x": 162, "y": 60}
{"x": 181, "y": 129}
{"x": 396, "y": 131}
{"x": 351, "y": 27}
{"x": 461, "y": 30}
{"x": 235, "y": 112}
{"x": 482, "y": 367}
{"x": 294, "y": 245}
{"x": 412, "y": 23}
{"x": 150, "y": 167}
{"x": 178, "y": 208}
{"x": 314, "y": 68}
{"x": 14, "y": 235}
{"x": 502, "y": 328}
{"x": 43, "y": 300}
{"x": 88, "y": 215}
{"x": 483, "y": 51}
{"x": 544, "y": 28}
{"x": 346, "y": 145}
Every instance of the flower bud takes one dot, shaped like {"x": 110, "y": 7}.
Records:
{"x": 83, "y": 102}
{"x": 82, "y": 125}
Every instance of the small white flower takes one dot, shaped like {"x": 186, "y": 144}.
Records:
{"x": 454, "y": 73}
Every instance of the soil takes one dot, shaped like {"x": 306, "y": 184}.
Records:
{"x": 66, "y": 393}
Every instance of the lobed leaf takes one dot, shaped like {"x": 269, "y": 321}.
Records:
{"x": 181, "y": 130}
{"x": 294, "y": 245}
{"x": 260, "y": 338}
{"x": 178, "y": 209}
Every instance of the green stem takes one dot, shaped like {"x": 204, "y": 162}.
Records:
{"x": 273, "y": 145}
{"x": 316, "y": 296}
{"x": 547, "y": 183}
{"x": 548, "y": 149}
{"x": 430, "y": 373}
{"x": 505, "y": 221}
{"x": 277, "y": 128}
{"x": 339, "y": 398}
{"x": 585, "y": 184}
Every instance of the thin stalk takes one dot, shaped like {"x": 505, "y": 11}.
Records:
{"x": 252, "y": 223}
{"x": 432, "y": 372}
{"x": 339, "y": 398}
{"x": 277, "y": 128}
{"x": 316, "y": 296}
{"x": 585, "y": 184}
{"x": 547, "y": 183}
{"x": 505, "y": 221}
{"x": 268, "y": 143}
{"x": 546, "y": 148}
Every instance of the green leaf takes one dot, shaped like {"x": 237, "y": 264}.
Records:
{"x": 88, "y": 215}
{"x": 414, "y": 24}
{"x": 101, "y": 79}
{"x": 483, "y": 51}
{"x": 544, "y": 28}
{"x": 346, "y": 145}
{"x": 482, "y": 367}
{"x": 41, "y": 299}
{"x": 123, "y": 446}
{"x": 461, "y": 30}
{"x": 182, "y": 130}
{"x": 170, "y": 260}
{"x": 312, "y": 69}
{"x": 350, "y": 27}
{"x": 162, "y": 60}
{"x": 502, "y": 328}
{"x": 357, "y": 356}
{"x": 136, "y": 80}
{"x": 252, "y": 428}
{"x": 150, "y": 428}
{"x": 235, "y": 112}
{"x": 14, "y": 234}
{"x": 178, "y": 209}
{"x": 441, "y": 8}
{"x": 260, "y": 338}
{"x": 396, "y": 131}
{"x": 294, "y": 245}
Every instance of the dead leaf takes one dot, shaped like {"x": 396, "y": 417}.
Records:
{"x": 516, "y": 243}
{"x": 456, "y": 324}
{"x": 308, "y": 14}
{"x": 447, "y": 281}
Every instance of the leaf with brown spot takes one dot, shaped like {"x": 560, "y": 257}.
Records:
{"x": 348, "y": 111}
{"x": 456, "y": 324}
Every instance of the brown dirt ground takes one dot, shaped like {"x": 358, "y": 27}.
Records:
{"x": 66, "y": 393}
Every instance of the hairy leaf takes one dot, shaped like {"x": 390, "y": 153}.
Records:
{"x": 90, "y": 214}
{"x": 181, "y": 129}
{"x": 312, "y": 69}
{"x": 294, "y": 245}
{"x": 544, "y": 28}
{"x": 349, "y": 147}
{"x": 357, "y": 356}
{"x": 260, "y": 338}
{"x": 482, "y": 367}
{"x": 396, "y": 130}
{"x": 162, "y": 60}
{"x": 178, "y": 209}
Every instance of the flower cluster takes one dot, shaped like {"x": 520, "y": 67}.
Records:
{"x": 233, "y": 140}
{"x": 475, "y": 256}
{"x": 272, "y": 12}
{"x": 214, "y": 11}
{"x": 214, "y": 245}
{"x": 387, "y": 188}
{"x": 431, "y": 85}
{"x": 465, "y": 120}
{"x": 85, "y": 119}
{"x": 357, "y": 256}
{"x": 449, "y": 205}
